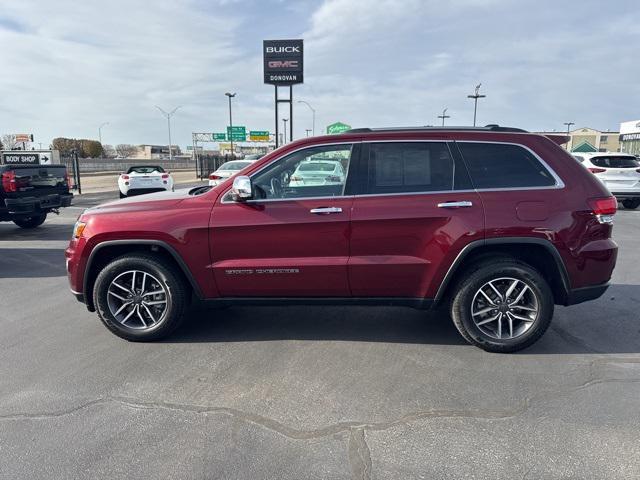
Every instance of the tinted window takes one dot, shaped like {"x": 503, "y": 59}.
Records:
{"x": 615, "y": 162}
{"x": 145, "y": 169}
{"x": 409, "y": 167}
{"x": 495, "y": 165}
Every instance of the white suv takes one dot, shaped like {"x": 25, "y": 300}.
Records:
{"x": 619, "y": 172}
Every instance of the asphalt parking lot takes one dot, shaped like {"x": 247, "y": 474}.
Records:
{"x": 309, "y": 392}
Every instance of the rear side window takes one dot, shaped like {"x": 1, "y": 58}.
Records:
{"x": 409, "y": 167}
{"x": 501, "y": 165}
{"x": 615, "y": 162}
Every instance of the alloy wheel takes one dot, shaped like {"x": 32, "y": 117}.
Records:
{"x": 505, "y": 308}
{"x": 137, "y": 300}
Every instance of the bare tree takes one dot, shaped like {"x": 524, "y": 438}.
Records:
{"x": 8, "y": 141}
{"x": 108, "y": 151}
{"x": 125, "y": 150}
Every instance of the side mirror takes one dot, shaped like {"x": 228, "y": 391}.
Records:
{"x": 242, "y": 189}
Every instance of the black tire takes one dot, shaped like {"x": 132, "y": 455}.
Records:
{"x": 31, "y": 222}
{"x": 122, "y": 195}
{"x": 631, "y": 203}
{"x": 492, "y": 270}
{"x": 177, "y": 296}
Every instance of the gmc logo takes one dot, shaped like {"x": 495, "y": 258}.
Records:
{"x": 283, "y": 64}
{"x": 283, "y": 49}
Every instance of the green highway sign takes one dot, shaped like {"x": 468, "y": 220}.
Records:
{"x": 218, "y": 137}
{"x": 259, "y": 135}
{"x": 337, "y": 127}
{"x": 237, "y": 134}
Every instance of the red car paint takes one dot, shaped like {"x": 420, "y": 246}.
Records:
{"x": 394, "y": 246}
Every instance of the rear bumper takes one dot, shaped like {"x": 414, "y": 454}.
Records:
{"x": 584, "y": 294}
{"x": 629, "y": 194}
{"x": 31, "y": 205}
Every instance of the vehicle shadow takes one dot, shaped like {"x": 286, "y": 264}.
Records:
{"x": 32, "y": 262}
{"x": 609, "y": 325}
{"x": 47, "y": 231}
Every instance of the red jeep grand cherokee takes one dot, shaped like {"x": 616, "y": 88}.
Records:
{"x": 494, "y": 223}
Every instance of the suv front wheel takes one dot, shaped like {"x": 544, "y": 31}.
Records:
{"x": 140, "y": 297}
{"x": 502, "y": 306}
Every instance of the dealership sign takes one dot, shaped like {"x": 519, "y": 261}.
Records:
{"x": 338, "y": 127}
{"x": 283, "y": 61}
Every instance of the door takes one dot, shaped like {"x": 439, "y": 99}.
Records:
{"x": 416, "y": 210}
{"x": 292, "y": 238}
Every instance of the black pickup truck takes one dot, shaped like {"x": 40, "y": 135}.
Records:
{"x": 29, "y": 192}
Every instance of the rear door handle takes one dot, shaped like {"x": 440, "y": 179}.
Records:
{"x": 326, "y": 210}
{"x": 464, "y": 203}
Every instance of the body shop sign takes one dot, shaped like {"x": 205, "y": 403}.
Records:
{"x": 283, "y": 62}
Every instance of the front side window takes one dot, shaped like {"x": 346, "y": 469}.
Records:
{"x": 409, "y": 167}
{"x": 312, "y": 172}
{"x": 502, "y": 165}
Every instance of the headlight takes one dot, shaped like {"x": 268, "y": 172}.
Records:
{"x": 78, "y": 228}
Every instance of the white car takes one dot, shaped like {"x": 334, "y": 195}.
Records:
{"x": 317, "y": 172}
{"x": 226, "y": 170}
{"x": 144, "y": 179}
{"x": 620, "y": 173}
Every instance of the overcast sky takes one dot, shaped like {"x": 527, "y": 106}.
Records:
{"x": 68, "y": 66}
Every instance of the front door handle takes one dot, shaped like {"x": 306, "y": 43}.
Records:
{"x": 326, "y": 210}
{"x": 464, "y": 203}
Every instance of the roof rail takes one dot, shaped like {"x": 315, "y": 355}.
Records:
{"x": 487, "y": 128}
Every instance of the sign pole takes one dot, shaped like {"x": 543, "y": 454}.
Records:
{"x": 276, "y": 109}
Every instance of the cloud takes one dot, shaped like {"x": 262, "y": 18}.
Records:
{"x": 69, "y": 66}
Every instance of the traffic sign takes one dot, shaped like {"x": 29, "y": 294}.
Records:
{"x": 237, "y": 134}
{"x": 337, "y": 127}
{"x": 259, "y": 135}
{"x": 218, "y": 137}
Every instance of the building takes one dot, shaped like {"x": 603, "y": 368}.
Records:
{"x": 630, "y": 137}
{"x": 156, "y": 152}
{"x": 587, "y": 140}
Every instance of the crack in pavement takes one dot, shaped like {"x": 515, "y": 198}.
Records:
{"x": 359, "y": 455}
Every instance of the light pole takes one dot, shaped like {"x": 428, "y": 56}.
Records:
{"x": 444, "y": 115}
{"x": 169, "y": 115}
{"x": 568, "y": 124}
{"x": 313, "y": 111}
{"x": 475, "y": 97}
{"x": 307, "y": 130}
{"x": 284, "y": 122}
{"x": 100, "y": 131}
{"x": 231, "y": 95}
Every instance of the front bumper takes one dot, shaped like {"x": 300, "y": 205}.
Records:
{"x": 31, "y": 205}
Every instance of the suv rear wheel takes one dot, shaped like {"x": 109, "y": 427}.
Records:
{"x": 631, "y": 203}
{"x": 140, "y": 298}
{"x": 502, "y": 306}
{"x": 31, "y": 222}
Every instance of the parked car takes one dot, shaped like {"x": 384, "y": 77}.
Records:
{"x": 493, "y": 224}
{"x": 619, "y": 172}
{"x": 228, "y": 169}
{"x": 317, "y": 172}
{"x": 144, "y": 179}
{"x": 28, "y": 193}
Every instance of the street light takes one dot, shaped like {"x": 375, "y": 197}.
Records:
{"x": 231, "y": 95}
{"x": 568, "y": 124}
{"x": 444, "y": 115}
{"x": 475, "y": 97}
{"x": 307, "y": 130}
{"x": 284, "y": 122}
{"x": 313, "y": 110}
{"x": 100, "y": 131}
{"x": 169, "y": 115}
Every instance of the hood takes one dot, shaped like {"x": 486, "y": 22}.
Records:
{"x": 149, "y": 201}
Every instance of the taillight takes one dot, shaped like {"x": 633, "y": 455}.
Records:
{"x": 213, "y": 176}
{"x": 165, "y": 176}
{"x": 604, "y": 208}
{"x": 125, "y": 177}
{"x": 9, "y": 181}
{"x": 67, "y": 182}
{"x": 597, "y": 170}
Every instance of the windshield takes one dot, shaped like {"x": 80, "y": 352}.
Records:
{"x": 145, "y": 169}
{"x": 237, "y": 165}
{"x": 617, "y": 161}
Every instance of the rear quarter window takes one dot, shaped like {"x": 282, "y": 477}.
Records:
{"x": 501, "y": 165}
